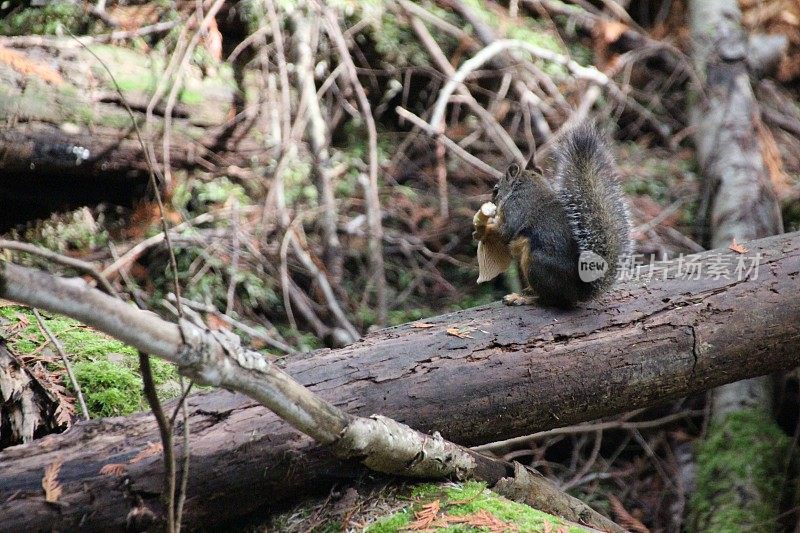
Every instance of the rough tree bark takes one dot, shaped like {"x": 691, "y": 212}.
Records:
{"x": 519, "y": 370}
{"x": 28, "y": 408}
{"x": 68, "y": 140}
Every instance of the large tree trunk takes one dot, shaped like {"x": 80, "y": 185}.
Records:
{"x": 68, "y": 140}
{"x": 739, "y": 204}
{"x": 520, "y": 370}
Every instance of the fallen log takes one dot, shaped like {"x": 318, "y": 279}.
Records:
{"x": 68, "y": 139}
{"x": 507, "y": 372}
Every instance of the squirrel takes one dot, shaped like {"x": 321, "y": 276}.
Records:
{"x": 568, "y": 238}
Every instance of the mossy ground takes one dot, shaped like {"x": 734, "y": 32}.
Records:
{"x": 106, "y": 369}
{"x": 741, "y": 475}
{"x": 392, "y": 508}
{"x": 466, "y": 499}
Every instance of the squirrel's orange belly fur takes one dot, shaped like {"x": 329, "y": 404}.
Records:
{"x": 521, "y": 251}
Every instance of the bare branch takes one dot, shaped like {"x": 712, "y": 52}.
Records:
{"x": 166, "y": 434}
{"x": 372, "y": 193}
{"x": 78, "y": 264}
{"x": 319, "y": 137}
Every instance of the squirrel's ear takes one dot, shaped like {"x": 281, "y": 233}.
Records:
{"x": 513, "y": 170}
{"x": 532, "y": 166}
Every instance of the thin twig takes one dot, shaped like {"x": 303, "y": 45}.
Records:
{"x": 186, "y": 454}
{"x": 158, "y": 95}
{"x": 181, "y": 401}
{"x": 303, "y": 303}
{"x": 144, "y": 362}
{"x": 285, "y": 279}
{"x": 319, "y": 138}
{"x": 662, "y": 216}
{"x": 234, "y": 267}
{"x": 138, "y": 249}
{"x": 587, "y": 466}
{"x": 286, "y": 107}
{"x": 247, "y": 42}
{"x": 586, "y": 428}
{"x": 299, "y": 244}
{"x": 60, "y": 349}
{"x": 501, "y": 137}
{"x": 455, "y": 148}
{"x": 530, "y": 95}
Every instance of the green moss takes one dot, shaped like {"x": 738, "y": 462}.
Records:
{"x": 533, "y": 32}
{"x": 39, "y": 101}
{"x": 465, "y": 499}
{"x": 347, "y": 185}
{"x": 396, "y": 44}
{"x": 198, "y": 196}
{"x": 109, "y": 389}
{"x": 401, "y": 316}
{"x": 580, "y": 53}
{"x": 305, "y": 342}
{"x": 113, "y": 118}
{"x": 132, "y": 70}
{"x": 127, "y": 85}
{"x": 484, "y": 296}
{"x": 106, "y": 369}
{"x": 190, "y": 97}
{"x": 77, "y": 230}
{"x": 740, "y": 475}
{"x": 47, "y": 20}
{"x": 9, "y": 100}
{"x": 36, "y": 101}
{"x": 79, "y": 341}
{"x": 297, "y": 182}
{"x": 137, "y": 74}
{"x": 392, "y": 523}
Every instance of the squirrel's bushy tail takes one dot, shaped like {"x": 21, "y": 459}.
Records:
{"x": 593, "y": 200}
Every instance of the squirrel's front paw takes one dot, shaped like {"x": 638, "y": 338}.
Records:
{"x": 518, "y": 299}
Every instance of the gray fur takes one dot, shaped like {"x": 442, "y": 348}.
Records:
{"x": 584, "y": 211}
{"x": 588, "y": 188}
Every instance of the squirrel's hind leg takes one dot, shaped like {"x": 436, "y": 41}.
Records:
{"x": 519, "y": 299}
